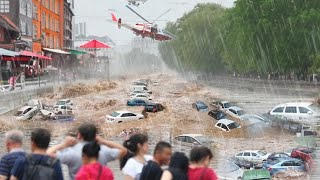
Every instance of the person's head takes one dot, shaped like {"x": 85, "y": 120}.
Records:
{"x": 162, "y": 153}
{"x": 179, "y": 161}
{"x": 136, "y": 144}
{"x": 90, "y": 152}
{"x": 87, "y": 132}
{"x": 14, "y": 139}
{"x": 40, "y": 139}
{"x": 201, "y": 155}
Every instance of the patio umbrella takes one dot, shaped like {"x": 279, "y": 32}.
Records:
{"x": 94, "y": 44}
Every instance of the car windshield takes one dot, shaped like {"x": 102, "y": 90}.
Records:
{"x": 227, "y": 105}
{"x": 114, "y": 114}
{"x": 202, "y": 106}
{"x": 233, "y": 125}
{"x": 314, "y": 108}
{"x": 262, "y": 153}
{"x": 61, "y": 103}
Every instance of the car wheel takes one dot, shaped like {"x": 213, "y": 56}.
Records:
{"x": 120, "y": 122}
{"x": 59, "y": 112}
{"x": 141, "y": 118}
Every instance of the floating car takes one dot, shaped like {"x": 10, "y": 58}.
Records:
{"x": 153, "y": 107}
{"x": 227, "y": 125}
{"x": 200, "y": 106}
{"x": 275, "y": 156}
{"x": 26, "y": 112}
{"x": 216, "y": 114}
{"x": 193, "y": 140}
{"x": 284, "y": 164}
{"x": 254, "y": 156}
{"x": 236, "y": 111}
{"x": 221, "y": 104}
{"x": 142, "y": 96}
{"x": 137, "y": 102}
{"x": 62, "y": 109}
{"x": 123, "y": 116}
{"x": 63, "y": 118}
{"x": 64, "y": 102}
{"x": 256, "y": 174}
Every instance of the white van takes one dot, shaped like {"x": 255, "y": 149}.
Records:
{"x": 141, "y": 89}
{"x": 302, "y": 112}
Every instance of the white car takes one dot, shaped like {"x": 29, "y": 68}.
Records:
{"x": 235, "y": 111}
{"x": 64, "y": 102}
{"x": 222, "y": 104}
{"x": 26, "y": 112}
{"x": 123, "y": 116}
{"x": 254, "y": 156}
{"x": 298, "y": 112}
{"x": 62, "y": 109}
{"x": 142, "y": 96}
{"x": 193, "y": 140}
{"x": 227, "y": 125}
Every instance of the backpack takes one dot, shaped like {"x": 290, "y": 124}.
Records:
{"x": 39, "y": 170}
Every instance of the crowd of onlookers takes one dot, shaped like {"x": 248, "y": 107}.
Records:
{"x": 87, "y": 157}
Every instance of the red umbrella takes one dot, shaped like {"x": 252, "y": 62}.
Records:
{"x": 94, "y": 44}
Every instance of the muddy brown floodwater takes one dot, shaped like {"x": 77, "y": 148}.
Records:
{"x": 92, "y": 102}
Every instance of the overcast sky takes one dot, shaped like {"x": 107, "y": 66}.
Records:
{"x": 97, "y": 13}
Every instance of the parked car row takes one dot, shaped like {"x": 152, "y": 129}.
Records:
{"x": 300, "y": 159}
{"x": 140, "y": 95}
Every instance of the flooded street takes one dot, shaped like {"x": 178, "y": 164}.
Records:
{"x": 95, "y": 100}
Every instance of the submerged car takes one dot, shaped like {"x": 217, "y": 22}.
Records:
{"x": 64, "y": 102}
{"x": 193, "y": 140}
{"x": 221, "y": 104}
{"x": 216, "y": 114}
{"x": 236, "y": 111}
{"x": 279, "y": 155}
{"x": 200, "y": 106}
{"x": 284, "y": 164}
{"x": 137, "y": 102}
{"x": 123, "y": 116}
{"x": 227, "y": 170}
{"x": 255, "y": 156}
{"x": 227, "y": 125}
{"x": 142, "y": 96}
{"x": 62, "y": 109}
{"x": 153, "y": 107}
{"x": 299, "y": 112}
{"x": 26, "y": 112}
{"x": 256, "y": 174}
{"x": 63, "y": 118}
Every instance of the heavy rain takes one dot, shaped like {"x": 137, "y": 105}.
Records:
{"x": 239, "y": 77}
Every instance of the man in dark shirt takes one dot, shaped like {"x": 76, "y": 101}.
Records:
{"x": 31, "y": 165}
{"x": 13, "y": 140}
{"x": 161, "y": 156}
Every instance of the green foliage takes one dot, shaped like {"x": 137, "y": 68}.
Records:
{"x": 259, "y": 36}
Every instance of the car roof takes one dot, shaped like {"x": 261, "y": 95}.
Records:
{"x": 223, "y": 102}
{"x": 123, "y": 111}
{"x": 257, "y": 174}
{"x": 225, "y": 121}
{"x": 140, "y": 94}
{"x": 64, "y": 100}
{"x": 295, "y": 104}
{"x": 200, "y": 102}
{"x": 191, "y": 135}
{"x": 24, "y": 108}
{"x": 236, "y": 108}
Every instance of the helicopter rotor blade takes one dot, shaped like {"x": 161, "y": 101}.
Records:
{"x": 137, "y": 14}
{"x": 161, "y": 16}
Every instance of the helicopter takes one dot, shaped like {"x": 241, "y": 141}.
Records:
{"x": 147, "y": 29}
{"x": 136, "y": 2}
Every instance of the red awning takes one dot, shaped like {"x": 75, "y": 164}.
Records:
{"x": 31, "y": 54}
{"x": 16, "y": 58}
{"x": 94, "y": 44}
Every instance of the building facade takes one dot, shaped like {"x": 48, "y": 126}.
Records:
{"x": 20, "y": 13}
{"x": 68, "y": 25}
{"x": 48, "y": 24}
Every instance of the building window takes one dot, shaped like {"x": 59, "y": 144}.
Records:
{"x": 35, "y": 31}
{"x": 43, "y": 22}
{"x": 57, "y": 7}
{"x": 29, "y": 10}
{"x": 57, "y": 26}
{"x": 4, "y": 6}
{"x": 52, "y": 24}
{"x": 23, "y": 26}
{"x": 23, "y": 7}
{"x": 48, "y": 21}
{"x": 35, "y": 12}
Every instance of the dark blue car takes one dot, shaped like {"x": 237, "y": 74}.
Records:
{"x": 200, "y": 106}
{"x": 216, "y": 114}
{"x": 136, "y": 102}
